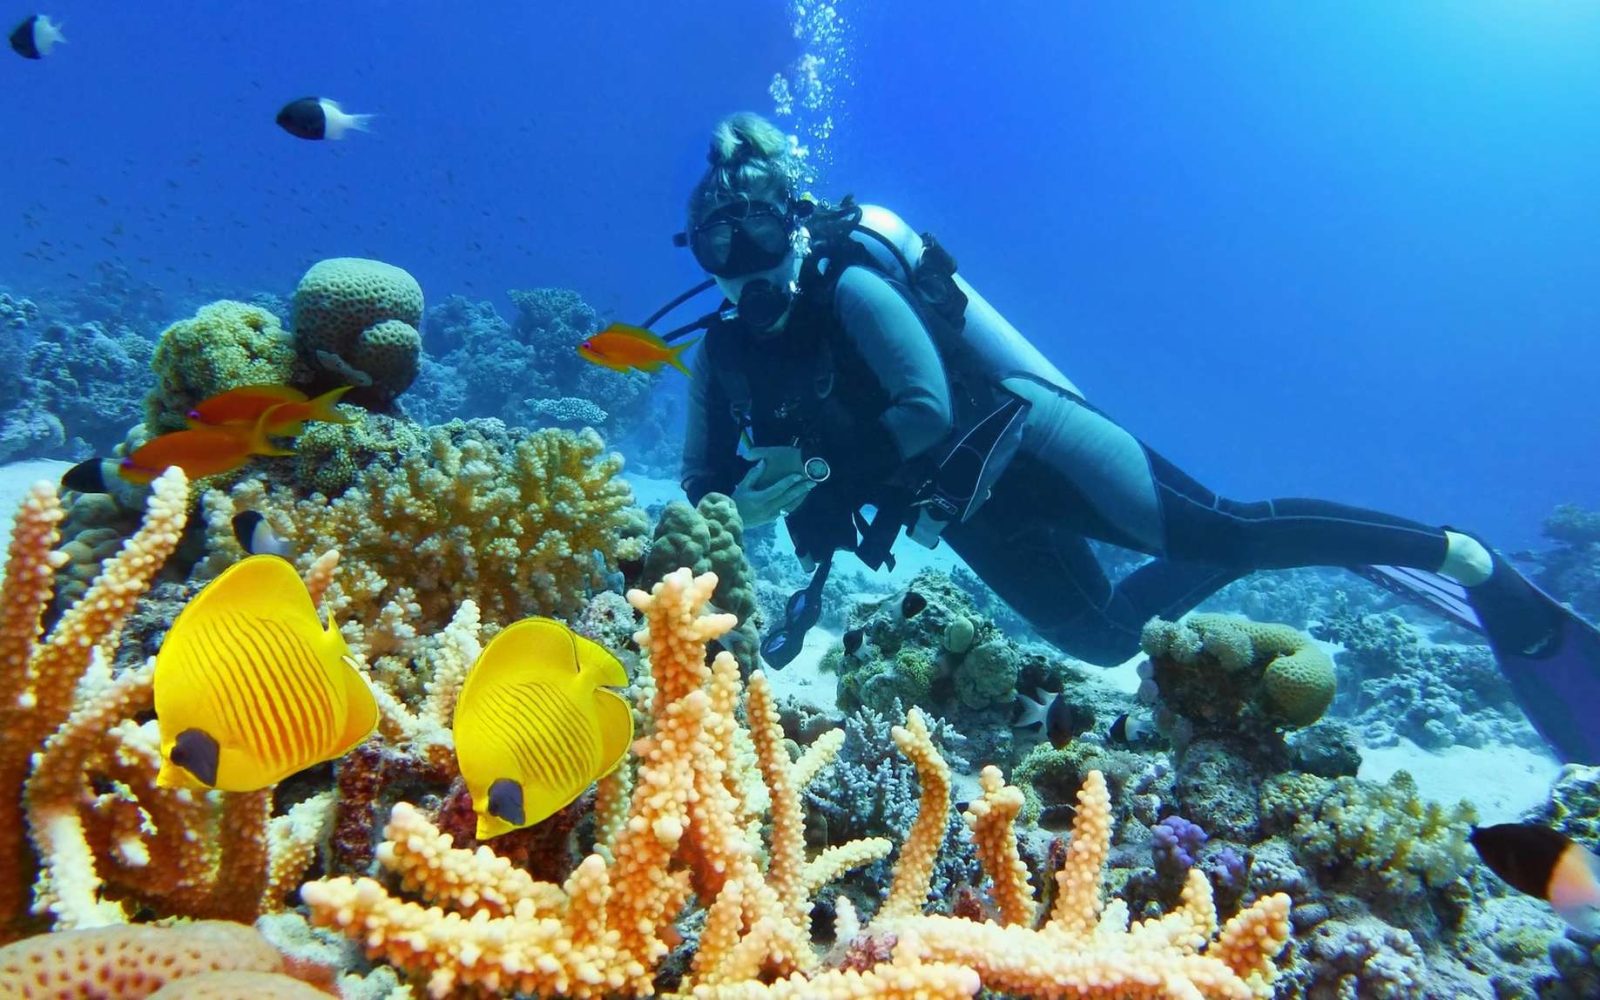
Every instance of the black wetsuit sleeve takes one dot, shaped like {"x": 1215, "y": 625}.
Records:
{"x": 897, "y": 347}
{"x": 710, "y": 437}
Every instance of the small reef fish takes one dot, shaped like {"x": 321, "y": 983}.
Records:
{"x": 1131, "y": 730}
{"x": 199, "y": 451}
{"x": 290, "y": 408}
{"x": 535, "y": 724}
{"x": 1543, "y": 863}
{"x": 852, "y": 640}
{"x": 622, "y": 347}
{"x": 89, "y": 476}
{"x": 1051, "y": 715}
{"x": 36, "y": 36}
{"x": 912, "y": 603}
{"x": 255, "y": 535}
{"x": 250, "y": 687}
{"x": 320, "y": 118}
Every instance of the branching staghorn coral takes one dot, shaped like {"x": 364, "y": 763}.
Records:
{"x": 491, "y": 929}
{"x": 518, "y": 523}
{"x": 101, "y": 832}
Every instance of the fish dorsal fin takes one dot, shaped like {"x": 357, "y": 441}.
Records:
{"x": 260, "y": 586}
{"x": 616, "y": 729}
{"x": 532, "y": 648}
{"x": 639, "y": 333}
{"x": 598, "y": 665}
{"x": 272, "y": 391}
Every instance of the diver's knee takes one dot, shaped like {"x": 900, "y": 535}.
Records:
{"x": 1101, "y": 643}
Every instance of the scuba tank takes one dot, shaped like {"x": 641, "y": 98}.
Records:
{"x": 987, "y": 341}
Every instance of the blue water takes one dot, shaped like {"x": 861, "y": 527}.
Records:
{"x": 1329, "y": 249}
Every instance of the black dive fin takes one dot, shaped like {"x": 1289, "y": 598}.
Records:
{"x": 1549, "y": 655}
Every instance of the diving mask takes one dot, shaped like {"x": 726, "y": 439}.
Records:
{"x": 740, "y": 238}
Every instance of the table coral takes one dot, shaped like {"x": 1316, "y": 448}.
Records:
{"x": 355, "y": 323}
{"x": 519, "y": 523}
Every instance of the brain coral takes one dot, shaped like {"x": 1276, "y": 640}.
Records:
{"x": 355, "y": 323}
{"x": 224, "y": 345}
{"x": 1209, "y": 668}
{"x": 520, "y": 522}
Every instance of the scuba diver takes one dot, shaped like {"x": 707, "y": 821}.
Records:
{"x": 850, "y": 369}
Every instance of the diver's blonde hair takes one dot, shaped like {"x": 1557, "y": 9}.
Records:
{"x": 750, "y": 160}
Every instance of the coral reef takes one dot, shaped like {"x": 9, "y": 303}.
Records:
{"x": 519, "y": 523}
{"x": 1403, "y": 685}
{"x": 145, "y": 961}
{"x": 869, "y": 790}
{"x": 1403, "y": 856}
{"x": 688, "y": 832}
{"x": 528, "y": 372}
{"x": 709, "y": 537}
{"x": 355, "y": 323}
{"x": 224, "y": 345}
{"x": 102, "y": 834}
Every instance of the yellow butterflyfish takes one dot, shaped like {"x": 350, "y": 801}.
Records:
{"x": 535, "y": 724}
{"x": 251, "y": 687}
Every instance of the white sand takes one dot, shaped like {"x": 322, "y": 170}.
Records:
{"x": 15, "y": 478}
{"x": 1502, "y": 782}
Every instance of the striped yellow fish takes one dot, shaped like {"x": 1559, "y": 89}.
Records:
{"x": 535, "y": 726}
{"x": 250, "y": 687}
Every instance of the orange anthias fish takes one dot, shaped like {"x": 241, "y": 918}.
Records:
{"x": 200, "y": 451}
{"x": 290, "y": 408}
{"x": 622, "y": 347}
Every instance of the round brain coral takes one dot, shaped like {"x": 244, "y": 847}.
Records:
{"x": 355, "y": 323}
{"x": 1300, "y": 685}
{"x": 224, "y": 345}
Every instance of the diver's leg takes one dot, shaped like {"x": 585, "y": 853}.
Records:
{"x": 1278, "y": 534}
{"x": 1046, "y": 571}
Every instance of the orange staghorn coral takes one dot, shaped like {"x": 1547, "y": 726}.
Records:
{"x": 491, "y": 929}
{"x": 607, "y": 929}
{"x": 102, "y": 835}
{"x": 1087, "y": 949}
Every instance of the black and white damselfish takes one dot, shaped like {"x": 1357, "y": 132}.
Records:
{"x": 320, "y": 118}
{"x": 1545, "y": 864}
{"x": 36, "y": 36}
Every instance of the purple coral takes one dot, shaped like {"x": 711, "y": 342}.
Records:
{"x": 1175, "y": 843}
{"x": 1227, "y": 869}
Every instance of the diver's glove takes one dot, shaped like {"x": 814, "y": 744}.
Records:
{"x": 761, "y": 496}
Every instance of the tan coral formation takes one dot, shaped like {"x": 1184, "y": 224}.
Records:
{"x": 519, "y": 526}
{"x": 687, "y": 830}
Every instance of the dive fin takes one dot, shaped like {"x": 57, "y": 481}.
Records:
{"x": 1549, "y": 655}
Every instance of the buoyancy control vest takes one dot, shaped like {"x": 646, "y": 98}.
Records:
{"x": 982, "y": 353}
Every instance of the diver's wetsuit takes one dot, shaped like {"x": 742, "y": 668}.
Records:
{"x": 1077, "y": 476}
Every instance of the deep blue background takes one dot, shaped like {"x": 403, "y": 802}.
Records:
{"x": 1339, "y": 249}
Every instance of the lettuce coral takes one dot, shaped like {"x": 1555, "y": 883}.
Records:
{"x": 519, "y": 522}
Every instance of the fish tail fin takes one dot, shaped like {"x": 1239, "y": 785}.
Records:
{"x": 1026, "y": 712}
{"x": 324, "y": 406}
{"x": 675, "y": 359}
{"x": 338, "y": 121}
{"x": 260, "y": 443}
